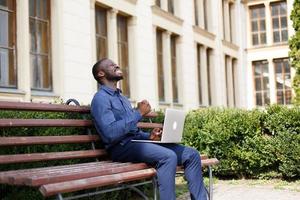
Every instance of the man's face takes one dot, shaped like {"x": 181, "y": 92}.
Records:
{"x": 112, "y": 71}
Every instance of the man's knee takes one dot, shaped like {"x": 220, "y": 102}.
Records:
{"x": 169, "y": 157}
{"x": 192, "y": 155}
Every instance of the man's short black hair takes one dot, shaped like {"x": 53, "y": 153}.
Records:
{"x": 97, "y": 67}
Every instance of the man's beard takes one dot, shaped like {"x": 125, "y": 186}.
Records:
{"x": 114, "y": 78}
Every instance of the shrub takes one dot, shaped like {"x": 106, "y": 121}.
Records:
{"x": 248, "y": 143}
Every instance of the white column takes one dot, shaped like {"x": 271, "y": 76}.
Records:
{"x": 57, "y": 47}
{"x": 112, "y": 35}
{"x": 132, "y": 56}
{"x": 23, "y": 48}
{"x": 226, "y": 20}
{"x": 272, "y": 81}
{"x": 155, "y": 83}
{"x": 167, "y": 65}
{"x": 204, "y": 75}
{"x": 268, "y": 24}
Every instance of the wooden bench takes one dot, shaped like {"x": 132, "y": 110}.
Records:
{"x": 57, "y": 180}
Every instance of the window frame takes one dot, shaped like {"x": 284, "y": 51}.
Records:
{"x": 14, "y": 46}
{"x": 257, "y": 20}
{"x": 37, "y": 54}
{"x": 283, "y": 73}
{"x": 262, "y": 90}
{"x": 279, "y": 16}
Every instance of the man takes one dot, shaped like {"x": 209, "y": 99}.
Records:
{"x": 116, "y": 122}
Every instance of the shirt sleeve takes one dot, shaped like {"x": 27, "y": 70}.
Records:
{"x": 112, "y": 130}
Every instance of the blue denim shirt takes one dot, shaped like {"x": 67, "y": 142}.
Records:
{"x": 114, "y": 118}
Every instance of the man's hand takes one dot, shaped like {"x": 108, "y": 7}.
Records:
{"x": 156, "y": 134}
{"x": 144, "y": 107}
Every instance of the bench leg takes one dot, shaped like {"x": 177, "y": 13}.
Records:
{"x": 59, "y": 197}
{"x": 210, "y": 193}
{"x": 155, "y": 189}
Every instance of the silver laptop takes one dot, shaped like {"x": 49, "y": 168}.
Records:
{"x": 172, "y": 129}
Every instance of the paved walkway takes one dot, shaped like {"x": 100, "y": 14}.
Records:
{"x": 229, "y": 191}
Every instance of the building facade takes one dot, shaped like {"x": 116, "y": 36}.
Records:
{"x": 181, "y": 54}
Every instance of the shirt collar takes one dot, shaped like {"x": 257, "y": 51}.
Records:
{"x": 109, "y": 90}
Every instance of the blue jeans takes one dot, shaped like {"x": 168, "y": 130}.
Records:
{"x": 165, "y": 158}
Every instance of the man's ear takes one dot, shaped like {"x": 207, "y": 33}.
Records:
{"x": 101, "y": 74}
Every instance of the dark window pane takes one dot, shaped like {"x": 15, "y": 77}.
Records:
{"x": 288, "y": 97}
{"x": 257, "y": 69}
{"x": 258, "y": 99}
{"x": 278, "y": 68}
{"x": 157, "y": 2}
{"x": 263, "y": 38}
{"x": 262, "y": 12}
{"x": 276, "y": 36}
{"x": 32, "y": 8}
{"x": 266, "y": 98}
{"x": 123, "y": 53}
{"x": 275, "y": 10}
{"x": 7, "y": 68}
{"x": 280, "y": 99}
{"x": 283, "y": 8}
{"x": 160, "y": 70}
{"x": 284, "y": 35}
{"x": 279, "y": 82}
{"x": 8, "y": 76}
{"x": 255, "y": 39}
{"x": 174, "y": 69}
{"x": 171, "y": 6}
{"x": 101, "y": 23}
{"x": 258, "y": 84}
{"x": 275, "y": 22}
{"x": 101, "y": 32}
{"x": 262, "y": 25}
{"x": 283, "y": 22}
{"x": 254, "y": 26}
{"x": 266, "y": 83}
{"x": 39, "y": 27}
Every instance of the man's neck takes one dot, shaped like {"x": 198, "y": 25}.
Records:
{"x": 112, "y": 85}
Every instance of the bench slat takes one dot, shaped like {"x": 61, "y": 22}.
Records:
{"x": 75, "y": 185}
{"x": 87, "y": 173}
{"x": 6, "y": 105}
{"x": 60, "y": 123}
{"x": 45, "y": 123}
{"x": 149, "y": 125}
{"x": 33, "y": 157}
{"x": 15, "y": 141}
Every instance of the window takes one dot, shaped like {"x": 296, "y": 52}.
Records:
{"x": 157, "y": 2}
{"x": 160, "y": 68}
{"x": 205, "y": 11}
{"x": 201, "y": 11}
{"x": 171, "y": 6}
{"x": 174, "y": 69}
{"x": 261, "y": 82}
{"x": 199, "y": 73}
{"x": 258, "y": 25}
{"x": 8, "y": 77}
{"x": 227, "y": 84}
{"x": 283, "y": 81}
{"x": 279, "y": 22}
{"x": 101, "y": 33}
{"x": 208, "y": 61}
{"x": 123, "y": 53}
{"x": 39, "y": 19}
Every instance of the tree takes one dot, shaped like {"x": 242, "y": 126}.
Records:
{"x": 294, "y": 54}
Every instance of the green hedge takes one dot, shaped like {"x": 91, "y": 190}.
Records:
{"x": 256, "y": 143}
